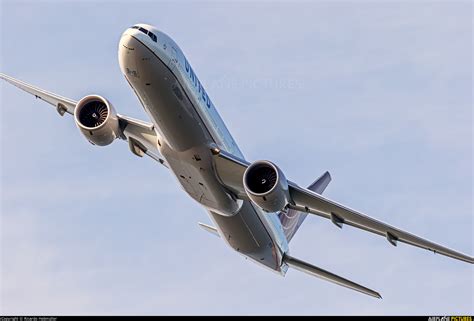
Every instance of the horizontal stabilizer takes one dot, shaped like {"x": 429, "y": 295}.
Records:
{"x": 328, "y": 276}
{"x": 210, "y": 229}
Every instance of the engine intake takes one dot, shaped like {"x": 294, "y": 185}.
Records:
{"x": 266, "y": 185}
{"x": 97, "y": 120}
{"x": 93, "y": 114}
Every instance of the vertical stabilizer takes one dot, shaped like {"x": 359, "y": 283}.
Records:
{"x": 292, "y": 219}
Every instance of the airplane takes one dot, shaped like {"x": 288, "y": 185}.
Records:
{"x": 255, "y": 209}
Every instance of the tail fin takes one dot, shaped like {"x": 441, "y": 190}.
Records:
{"x": 291, "y": 220}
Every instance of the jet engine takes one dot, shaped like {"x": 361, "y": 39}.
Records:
{"x": 266, "y": 185}
{"x": 97, "y": 120}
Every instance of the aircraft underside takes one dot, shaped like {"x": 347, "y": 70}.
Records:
{"x": 186, "y": 146}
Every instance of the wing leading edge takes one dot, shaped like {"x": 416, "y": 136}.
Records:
{"x": 61, "y": 103}
{"x": 231, "y": 169}
{"x": 313, "y": 203}
{"x": 140, "y": 135}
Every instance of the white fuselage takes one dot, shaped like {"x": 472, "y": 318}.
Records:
{"x": 189, "y": 127}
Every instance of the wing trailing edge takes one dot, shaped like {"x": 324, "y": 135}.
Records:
{"x": 231, "y": 169}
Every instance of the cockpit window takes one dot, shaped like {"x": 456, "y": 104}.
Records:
{"x": 149, "y": 33}
{"x": 152, "y": 36}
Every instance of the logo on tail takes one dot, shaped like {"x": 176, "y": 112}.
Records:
{"x": 292, "y": 219}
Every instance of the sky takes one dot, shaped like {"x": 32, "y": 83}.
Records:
{"x": 378, "y": 93}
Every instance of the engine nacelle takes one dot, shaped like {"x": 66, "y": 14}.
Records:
{"x": 266, "y": 185}
{"x": 97, "y": 120}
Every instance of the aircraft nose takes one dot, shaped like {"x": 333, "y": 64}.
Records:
{"x": 126, "y": 40}
{"x": 126, "y": 51}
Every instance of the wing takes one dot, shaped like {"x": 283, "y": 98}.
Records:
{"x": 62, "y": 104}
{"x": 231, "y": 169}
{"x": 313, "y": 203}
{"x": 140, "y": 135}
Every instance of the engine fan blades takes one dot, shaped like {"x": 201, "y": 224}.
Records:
{"x": 266, "y": 179}
{"x": 261, "y": 179}
{"x": 93, "y": 114}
